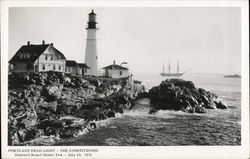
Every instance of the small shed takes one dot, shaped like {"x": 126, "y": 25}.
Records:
{"x": 71, "y": 67}
{"x": 115, "y": 71}
{"x": 83, "y": 69}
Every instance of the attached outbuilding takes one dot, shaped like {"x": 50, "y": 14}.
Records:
{"x": 83, "y": 69}
{"x": 72, "y": 67}
{"x": 116, "y": 71}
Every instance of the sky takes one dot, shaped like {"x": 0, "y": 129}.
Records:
{"x": 203, "y": 39}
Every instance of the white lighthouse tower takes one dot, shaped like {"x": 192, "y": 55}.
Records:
{"x": 91, "y": 57}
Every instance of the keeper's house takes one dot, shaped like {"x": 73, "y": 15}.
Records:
{"x": 37, "y": 58}
{"x": 115, "y": 71}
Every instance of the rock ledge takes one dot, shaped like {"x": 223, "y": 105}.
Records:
{"x": 178, "y": 94}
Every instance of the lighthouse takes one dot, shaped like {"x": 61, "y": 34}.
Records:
{"x": 91, "y": 56}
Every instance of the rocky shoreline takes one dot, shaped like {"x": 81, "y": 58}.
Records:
{"x": 63, "y": 105}
{"x": 178, "y": 94}
{"x": 47, "y": 106}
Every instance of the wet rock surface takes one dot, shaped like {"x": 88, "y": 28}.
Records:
{"x": 39, "y": 102}
{"x": 178, "y": 94}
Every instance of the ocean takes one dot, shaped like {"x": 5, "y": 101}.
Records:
{"x": 137, "y": 127}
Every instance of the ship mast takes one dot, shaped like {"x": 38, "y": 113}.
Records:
{"x": 169, "y": 68}
{"x": 163, "y": 69}
{"x": 178, "y": 69}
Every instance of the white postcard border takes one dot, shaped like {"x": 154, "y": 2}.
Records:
{"x": 135, "y": 151}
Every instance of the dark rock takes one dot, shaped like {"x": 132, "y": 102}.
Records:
{"x": 220, "y": 104}
{"x": 51, "y": 127}
{"x": 179, "y": 82}
{"x": 110, "y": 114}
{"x": 66, "y": 109}
{"x": 71, "y": 131}
{"x": 191, "y": 110}
{"x": 199, "y": 109}
{"x": 52, "y": 93}
{"x": 37, "y": 101}
{"x": 177, "y": 94}
{"x": 152, "y": 111}
{"x": 92, "y": 125}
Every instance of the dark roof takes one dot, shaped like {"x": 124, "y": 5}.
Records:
{"x": 115, "y": 67}
{"x": 34, "y": 50}
{"x": 59, "y": 54}
{"x": 71, "y": 63}
{"x": 92, "y": 12}
{"x": 83, "y": 65}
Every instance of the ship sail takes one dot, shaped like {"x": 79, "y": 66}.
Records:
{"x": 178, "y": 69}
{"x": 163, "y": 68}
{"x": 169, "y": 74}
{"x": 169, "y": 68}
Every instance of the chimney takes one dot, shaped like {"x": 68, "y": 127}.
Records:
{"x": 43, "y": 42}
{"x": 114, "y": 62}
{"x": 28, "y": 43}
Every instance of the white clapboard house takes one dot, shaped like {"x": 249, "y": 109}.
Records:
{"x": 37, "y": 58}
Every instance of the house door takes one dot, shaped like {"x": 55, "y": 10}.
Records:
{"x": 106, "y": 73}
{"x": 36, "y": 68}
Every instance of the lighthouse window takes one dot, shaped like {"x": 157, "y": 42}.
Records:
{"x": 43, "y": 66}
{"x": 51, "y": 57}
{"x": 46, "y": 57}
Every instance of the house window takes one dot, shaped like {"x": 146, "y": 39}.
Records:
{"x": 43, "y": 66}
{"x": 46, "y": 57}
{"x": 11, "y": 66}
{"x": 28, "y": 55}
{"x": 54, "y": 67}
{"x": 85, "y": 70}
{"x": 59, "y": 67}
{"x": 51, "y": 58}
{"x": 120, "y": 73}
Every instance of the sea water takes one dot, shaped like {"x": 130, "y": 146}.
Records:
{"x": 171, "y": 128}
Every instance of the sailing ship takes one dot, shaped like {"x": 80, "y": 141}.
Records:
{"x": 169, "y": 74}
